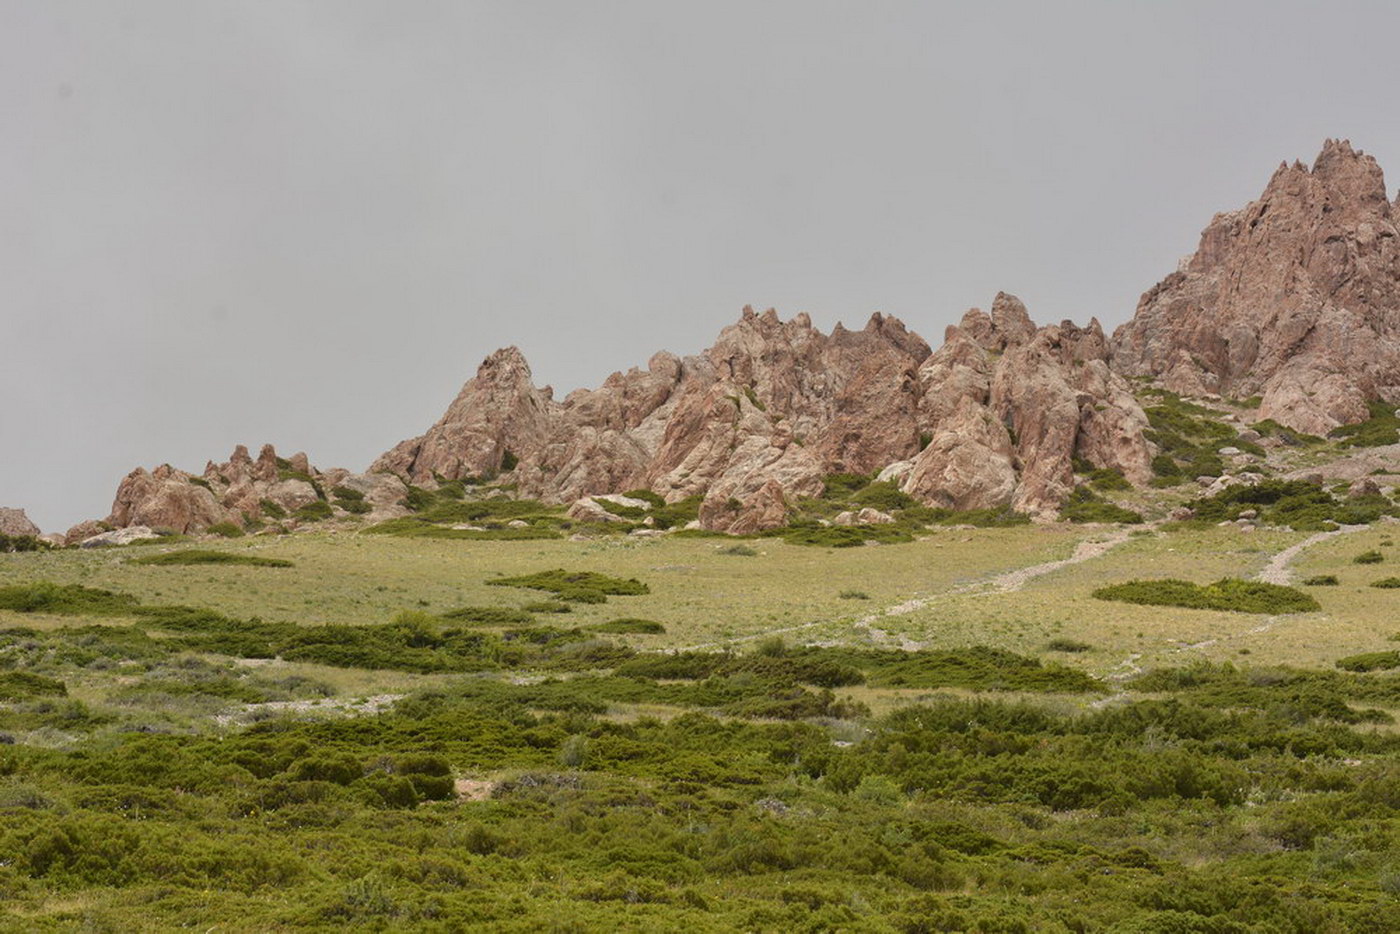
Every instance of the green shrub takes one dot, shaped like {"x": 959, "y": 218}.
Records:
{"x": 1387, "y": 583}
{"x": 742, "y": 551}
{"x": 1108, "y": 479}
{"x": 842, "y": 486}
{"x": 489, "y": 616}
{"x": 838, "y": 536}
{"x": 883, "y": 495}
{"x": 680, "y": 513}
{"x": 653, "y": 500}
{"x": 225, "y": 529}
{"x": 65, "y": 599}
{"x": 314, "y": 511}
{"x": 353, "y": 501}
{"x": 631, "y": 625}
{"x": 575, "y": 586}
{"x": 22, "y": 685}
{"x": 1321, "y": 580}
{"x": 1230, "y": 594}
{"x": 853, "y": 595}
{"x": 1084, "y": 506}
{"x": 1296, "y": 503}
{"x": 1368, "y": 557}
{"x": 1382, "y": 428}
{"x": 17, "y": 543}
{"x": 195, "y": 556}
{"x": 1068, "y": 645}
{"x": 1370, "y": 661}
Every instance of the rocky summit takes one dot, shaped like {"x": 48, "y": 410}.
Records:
{"x": 1293, "y": 299}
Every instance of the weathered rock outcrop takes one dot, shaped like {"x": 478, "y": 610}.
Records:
{"x": 239, "y": 490}
{"x": 1294, "y": 298}
{"x": 757, "y": 420}
{"x": 14, "y": 522}
{"x": 1008, "y": 406}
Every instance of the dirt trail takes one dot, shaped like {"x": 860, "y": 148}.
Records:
{"x": 1277, "y": 571}
{"x": 1005, "y": 582}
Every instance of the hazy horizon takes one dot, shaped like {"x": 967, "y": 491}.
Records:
{"x": 307, "y": 223}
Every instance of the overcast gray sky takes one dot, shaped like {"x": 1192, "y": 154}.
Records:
{"x": 307, "y": 223}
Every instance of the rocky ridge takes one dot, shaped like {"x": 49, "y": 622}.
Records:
{"x": 993, "y": 419}
{"x": 1294, "y": 298}
{"x": 241, "y": 490}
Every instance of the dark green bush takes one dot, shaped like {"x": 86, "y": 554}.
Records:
{"x": 65, "y": 599}
{"x": 1387, "y": 583}
{"x": 489, "y": 616}
{"x": 195, "y": 556}
{"x": 1108, "y": 479}
{"x": 271, "y": 509}
{"x": 1085, "y": 506}
{"x": 1370, "y": 661}
{"x": 18, "y": 543}
{"x": 1321, "y": 580}
{"x": 1067, "y": 645}
{"x": 1230, "y": 594}
{"x": 314, "y": 511}
{"x": 1382, "y": 428}
{"x": 575, "y": 586}
{"x": 22, "y": 685}
{"x": 884, "y": 496}
{"x": 631, "y": 625}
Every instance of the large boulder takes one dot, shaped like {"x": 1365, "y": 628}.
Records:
{"x": 14, "y": 522}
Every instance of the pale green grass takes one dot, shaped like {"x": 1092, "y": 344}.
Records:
{"x": 698, "y": 593}
{"x": 707, "y": 598}
{"x": 1354, "y": 618}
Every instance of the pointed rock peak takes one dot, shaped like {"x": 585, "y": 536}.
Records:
{"x": 240, "y": 455}
{"x": 268, "y": 453}
{"x": 506, "y": 361}
{"x": 748, "y": 313}
{"x": 1010, "y": 317}
{"x": 1349, "y": 171}
{"x": 770, "y": 316}
{"x": 803, "y": 320}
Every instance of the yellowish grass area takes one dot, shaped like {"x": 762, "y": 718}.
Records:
{"x": 698, "y": 592}
{"x": 1354, "y": 617}
{"x": 708, "y": 598}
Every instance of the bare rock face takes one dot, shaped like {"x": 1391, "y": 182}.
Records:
{"x": 15, "y": 523}
{"x": 165, "y": 499}
{"x": 496, "y": 415}
{"x": 1007, "y": 406}
{"x": 1295, "y": 298}
{"x": 772, "y": 400}
{"x": 237, "y": 490}
{"x": 757, "y": 420}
